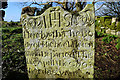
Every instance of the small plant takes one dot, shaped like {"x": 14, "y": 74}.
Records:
{"x": 118, "y": 44}
{"x": 105, "y": 53}
{"x": 99, "y": 34}
{"x": 109, "y": 38}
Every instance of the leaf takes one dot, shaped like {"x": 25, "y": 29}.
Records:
{"x": 98, "y": 33}
{"x": 5, "y": 46}
{"x": 105, "y": 53}
{"x": 118, "y": 40}
{"x": 118, "y": 46}
{"x": 104, "y": 39}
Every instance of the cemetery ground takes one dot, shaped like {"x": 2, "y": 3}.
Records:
{"x": 107, "y": 56}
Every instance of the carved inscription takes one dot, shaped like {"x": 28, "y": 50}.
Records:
{"x": 59, "y": 44}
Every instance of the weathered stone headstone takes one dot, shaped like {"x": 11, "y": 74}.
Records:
{"x": 59, "y": 44}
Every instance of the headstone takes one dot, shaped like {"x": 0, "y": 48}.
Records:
{"x": 108, "y": 31}
{"x": 59, "y": 44}
{"x": 113, "y": 32}
{"x": 113, "y": 19}
{"x": 118, "y": 33}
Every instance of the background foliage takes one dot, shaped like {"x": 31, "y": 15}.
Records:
{"x": 13, "y": 57}
{"x": 106, "y": 22}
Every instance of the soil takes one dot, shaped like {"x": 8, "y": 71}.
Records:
{"x": 107, "y": 59}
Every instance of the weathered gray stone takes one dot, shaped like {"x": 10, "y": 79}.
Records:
{"x": 59, "y": 44}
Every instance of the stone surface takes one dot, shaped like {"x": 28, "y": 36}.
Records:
{"x": 113, "y": 32}
{"x": 108, "y": 31}
{"x": 59, "y": 44}
{"x": 113, "y": 19}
